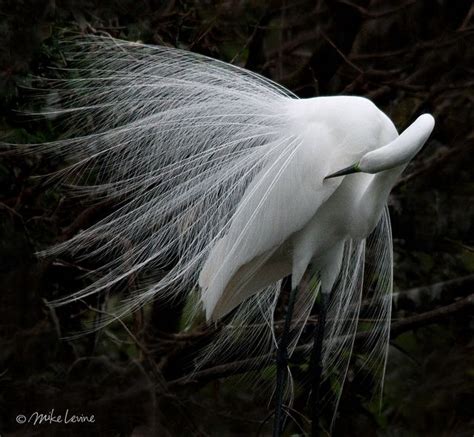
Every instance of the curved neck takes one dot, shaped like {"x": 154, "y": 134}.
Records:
{"x": 375, "y": 196}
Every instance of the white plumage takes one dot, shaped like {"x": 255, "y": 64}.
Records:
{"x": 223, "y": 172}
{"x": 280, "y": 224}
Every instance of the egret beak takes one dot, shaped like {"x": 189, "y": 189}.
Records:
{"x": 348, "y": 170}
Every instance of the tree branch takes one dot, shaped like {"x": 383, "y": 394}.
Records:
{"x": 257, "y": 363}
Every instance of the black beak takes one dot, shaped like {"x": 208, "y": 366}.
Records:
{"x": 348, "y": 170}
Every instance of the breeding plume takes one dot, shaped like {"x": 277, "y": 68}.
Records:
{"x": 225, "y": 183}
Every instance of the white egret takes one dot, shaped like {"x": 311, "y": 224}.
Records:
{"x": 240, "y": 182}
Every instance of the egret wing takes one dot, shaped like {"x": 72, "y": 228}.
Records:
{"x": 172, "y": 139}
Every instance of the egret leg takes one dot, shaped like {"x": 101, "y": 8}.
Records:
{"x": 316, "y": 365}
{"x": 282, "y": 363}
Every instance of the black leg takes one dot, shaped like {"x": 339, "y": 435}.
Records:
{"x": 316, "y": 366}
{"x": 282, "y": 363}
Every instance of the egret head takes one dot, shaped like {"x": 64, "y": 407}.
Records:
{"x": 397, "y": 153}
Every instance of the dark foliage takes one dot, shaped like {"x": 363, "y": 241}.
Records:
{"x": 409, "y": 57}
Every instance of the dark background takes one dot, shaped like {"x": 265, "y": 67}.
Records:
{"x": 408, "y": 56}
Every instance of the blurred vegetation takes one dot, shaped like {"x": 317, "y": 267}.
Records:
{"x": 409, "y": 57}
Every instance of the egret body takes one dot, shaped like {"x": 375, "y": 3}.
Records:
{"x": 307, "y": 215}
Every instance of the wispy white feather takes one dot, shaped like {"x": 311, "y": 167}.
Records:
{"x": 177, "y": 139}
